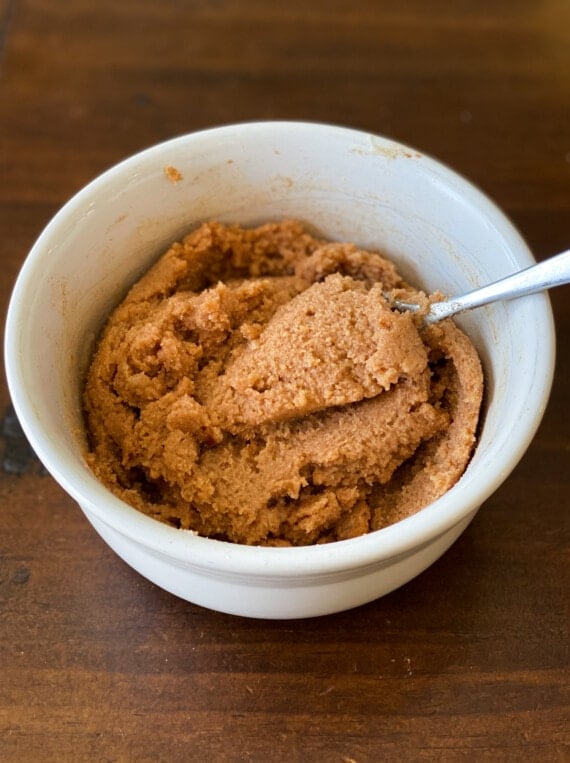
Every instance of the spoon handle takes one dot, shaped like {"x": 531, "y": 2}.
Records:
{"x": 554, "y": 271}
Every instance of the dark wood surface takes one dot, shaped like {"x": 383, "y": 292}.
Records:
{"x": 467, "y": 662}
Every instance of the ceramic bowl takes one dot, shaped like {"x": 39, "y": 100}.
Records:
{"x": 350, "y": 186}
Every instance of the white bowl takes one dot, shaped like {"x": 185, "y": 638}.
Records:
{"x": 351, "y": 186}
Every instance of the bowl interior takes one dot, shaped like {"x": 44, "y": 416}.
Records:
{"x": 348, "y": 186}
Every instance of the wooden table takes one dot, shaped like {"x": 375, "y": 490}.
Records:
{"x": 467, "y": 662}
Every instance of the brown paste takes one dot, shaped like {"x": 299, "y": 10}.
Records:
{"x": 255, "y": 386}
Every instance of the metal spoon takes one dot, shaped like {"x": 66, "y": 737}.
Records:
{"x": 552, "y": 272}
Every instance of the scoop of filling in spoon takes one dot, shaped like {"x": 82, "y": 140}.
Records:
{"x": 255, "y": 386}
{"x": 333, "y": 344}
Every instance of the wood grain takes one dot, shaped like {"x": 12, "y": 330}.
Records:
{"x": 467, "y": 662}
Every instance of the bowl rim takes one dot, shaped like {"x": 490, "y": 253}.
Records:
{"x": 294, "y": 562}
